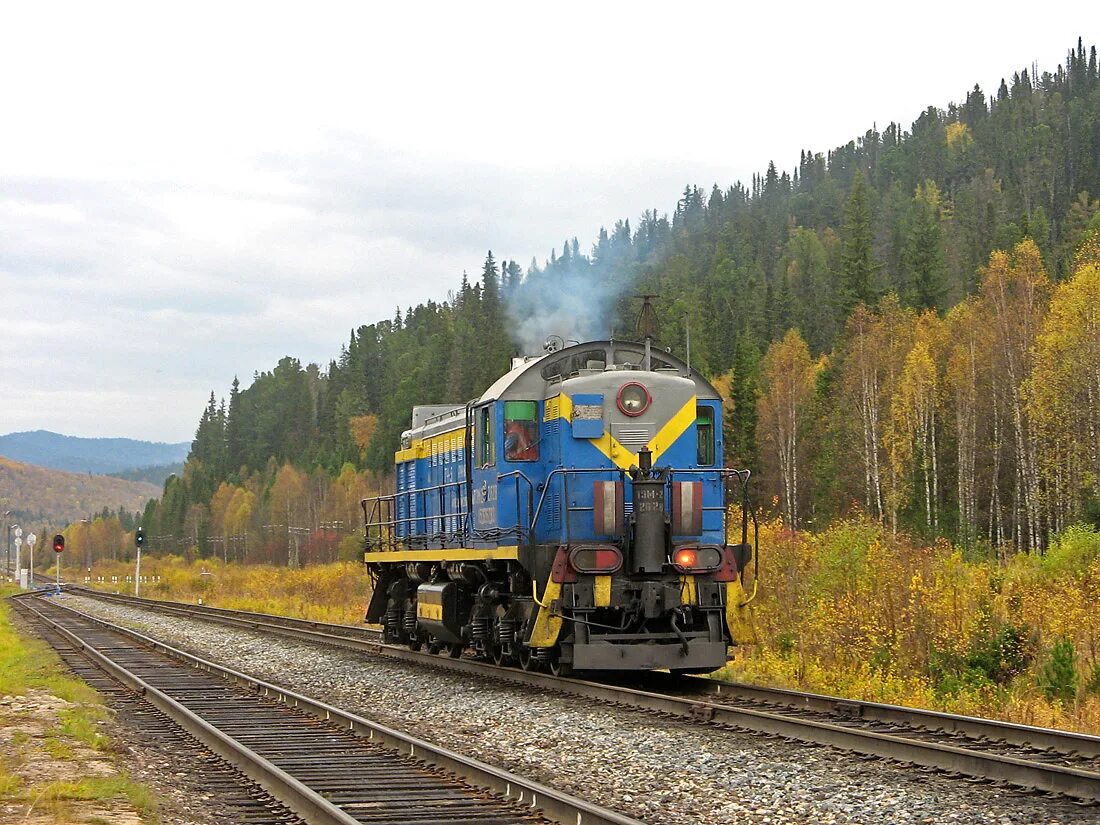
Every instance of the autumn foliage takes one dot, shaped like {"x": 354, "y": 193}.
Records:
{"x": 982, "y": 426}
{"x": 857, "y": 610}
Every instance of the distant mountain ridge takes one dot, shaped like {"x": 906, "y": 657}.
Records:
{"x": 89, "y": 455}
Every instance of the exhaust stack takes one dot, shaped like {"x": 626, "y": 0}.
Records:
{"x": 650, "y": 536}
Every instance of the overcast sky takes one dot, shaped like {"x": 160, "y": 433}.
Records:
{"x": 190, "y": 194}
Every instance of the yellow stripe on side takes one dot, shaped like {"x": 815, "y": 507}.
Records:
{"x": 738, "y": 615}
{"x": 602, "y": 590}
{"x": 547, "y": 624}
{"x": 504, "y": 553}
{"x": 688, "y": 593}
{"x": 422, "y": 447}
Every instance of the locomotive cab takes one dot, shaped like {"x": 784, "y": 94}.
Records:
{"x": 573, "y": 517}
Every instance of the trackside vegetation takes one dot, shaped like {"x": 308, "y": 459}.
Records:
{"x": 53, "y": 722}
{"x": 860, "y": 611}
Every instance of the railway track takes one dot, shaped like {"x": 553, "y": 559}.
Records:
{"x": 325, "y": 766}
{"x": 1040, "y": 759}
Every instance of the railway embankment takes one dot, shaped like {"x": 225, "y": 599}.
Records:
{"x": 658, "y": 769}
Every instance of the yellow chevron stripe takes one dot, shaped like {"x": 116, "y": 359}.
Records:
{"x": 665, "y": 438}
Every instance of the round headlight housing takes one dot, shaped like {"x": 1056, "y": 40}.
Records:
{"x": 634, "y": 399}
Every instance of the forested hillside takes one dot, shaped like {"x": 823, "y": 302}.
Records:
{"x": 39, "y": 496}
{"x": 906, "y": 325}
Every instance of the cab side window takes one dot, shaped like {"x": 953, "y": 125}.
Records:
{"x": 521, "y": 431}
{"x": 483, "y": 454}
{"x": 704, "y": 429}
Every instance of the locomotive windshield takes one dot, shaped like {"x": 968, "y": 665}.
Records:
{"x": 521, "y": 431}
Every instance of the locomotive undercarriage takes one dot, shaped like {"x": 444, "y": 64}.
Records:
{"x": 596, "y": 622}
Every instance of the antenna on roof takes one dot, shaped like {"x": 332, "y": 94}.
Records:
{"x": 646, "y": 325}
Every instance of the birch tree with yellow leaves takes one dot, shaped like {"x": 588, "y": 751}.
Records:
{"x": 1064, "y": 390}
{"x": 1015, "y": 290}
{"x": 788, "y": 375}
{"x": 912, "y": 436}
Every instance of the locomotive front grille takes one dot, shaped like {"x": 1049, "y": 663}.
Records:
{"x": 633, "y": 436}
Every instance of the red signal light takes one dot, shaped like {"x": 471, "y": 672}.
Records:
{"x": 596, "y": 559}
{"x": 58, "y": 543}
{"x": 697, "y": 558}
{"x": 687, "y": 557}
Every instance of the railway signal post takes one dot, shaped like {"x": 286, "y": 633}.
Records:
{"x": 139, "y": 541}
{"x": 59, "y": 548}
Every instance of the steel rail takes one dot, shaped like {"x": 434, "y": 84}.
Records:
{"x": 306, "y": 803}
{"x": 1083, "y": 784}
{"x": 552, "y": 803}
{"x": 974, "y": 727}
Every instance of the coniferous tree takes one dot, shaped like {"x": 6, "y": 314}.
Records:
{"x": 924, "y": 256}
{"x": 740, "y": 433}
{"x": 857, "y": 259}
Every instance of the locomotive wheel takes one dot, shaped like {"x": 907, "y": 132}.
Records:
{"x": 415, "y": 643}
{"x": 557, "y": 666}
{"x": 455, "y": 650}
{"x": 434, "y": 647}
{"x": 526, "y": 660}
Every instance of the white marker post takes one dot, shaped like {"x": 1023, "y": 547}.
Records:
{"x": 31, "y": 539}
{"x": 18, "y": 569}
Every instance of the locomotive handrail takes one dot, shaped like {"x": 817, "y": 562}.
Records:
{"x": 720, "y": 472}
{"x": 563, "y": 471}
{"x": 416, "y": 496}
{"x": 520, "y": 475}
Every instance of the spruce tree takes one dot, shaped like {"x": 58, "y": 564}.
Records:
{"x": 740, "y": 424}
{"x": 923, "y": 257}
{"x": 857, "y": 256}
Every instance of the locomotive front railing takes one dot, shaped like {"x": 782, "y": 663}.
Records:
{"x": 721, "y": 473}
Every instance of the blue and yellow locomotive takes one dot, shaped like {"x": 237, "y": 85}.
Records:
{"x": 573, "y": 517}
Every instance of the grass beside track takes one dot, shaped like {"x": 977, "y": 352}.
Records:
{"x": 336, "y": 592}
{"x": 56, "y": 761}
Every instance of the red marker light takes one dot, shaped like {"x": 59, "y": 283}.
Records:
{"x": 687, "y": 557}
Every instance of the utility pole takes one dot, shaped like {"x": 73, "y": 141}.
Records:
{"x": 7, "y": 545}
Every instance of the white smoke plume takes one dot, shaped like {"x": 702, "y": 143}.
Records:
{"x": 575, "y": 301}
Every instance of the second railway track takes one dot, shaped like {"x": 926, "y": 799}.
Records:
{"x": 327, "y": 766}
{"x": 1042, "y": 759}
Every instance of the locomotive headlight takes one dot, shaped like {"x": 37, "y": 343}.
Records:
{"x": 634, "y": 399}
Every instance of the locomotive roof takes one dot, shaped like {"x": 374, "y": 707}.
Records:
{"x": 536, "y": 377}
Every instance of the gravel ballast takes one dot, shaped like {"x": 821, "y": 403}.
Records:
{"x": 658, "y": 770}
